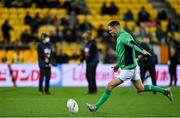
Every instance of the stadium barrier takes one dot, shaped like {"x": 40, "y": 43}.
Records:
{"x": 72, "y": 75}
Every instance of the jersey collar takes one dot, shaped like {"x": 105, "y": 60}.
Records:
{"x": 119, "y": 33}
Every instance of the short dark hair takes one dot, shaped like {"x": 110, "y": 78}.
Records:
{"x": 44, "y": 35}
{"x": 114, "y": 23}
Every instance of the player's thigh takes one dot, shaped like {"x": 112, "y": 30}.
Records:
{"x": 125, "y": 75}
{"x": 138, "y": 85}
{"x": 113, "y": 83}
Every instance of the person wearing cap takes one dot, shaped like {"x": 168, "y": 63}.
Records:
{"x": 44, "y": 50}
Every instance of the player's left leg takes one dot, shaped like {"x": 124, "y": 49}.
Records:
{"x": 112, "y": 84}
{"x": 48, "y": 76}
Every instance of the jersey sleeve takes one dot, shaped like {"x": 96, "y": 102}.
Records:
{"x": 118, "y": 62}
{"x": 128, "y": 40}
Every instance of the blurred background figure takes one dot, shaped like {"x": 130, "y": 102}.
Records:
{"x": 173, "y": 62}
{"x": 104, "y": 9}
{"x": 44, "y": 50}
{"x": 147, "y": 63}
{"x": 17, "y": 57}
{"x": 143, "y": 15}
{"x": 172, "y": 25}
{"x": 91, "y": 56}
{"x": 11, "y": 75}
{"x": 128, "y": 16}
{"x": 4, "y": 60}
{"x": 6, "y": 28}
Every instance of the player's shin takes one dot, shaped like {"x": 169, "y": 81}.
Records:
{"x": 103, "y": 98}
{"x": 154, "y": 89}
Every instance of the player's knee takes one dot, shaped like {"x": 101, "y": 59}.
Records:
{"x": 140, "y": 88}
{"x": 110, "y": 86}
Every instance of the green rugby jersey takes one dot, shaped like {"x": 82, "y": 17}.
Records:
{"x": 125, "y": 49}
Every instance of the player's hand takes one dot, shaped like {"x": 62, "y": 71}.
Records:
{"x": 146, "y": 53}
{"x": 139, "y": 57}
{"x": 115, "y": 68}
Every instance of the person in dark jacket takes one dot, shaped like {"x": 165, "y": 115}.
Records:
{"x": 45, "y": 53}
{"x": 173, "y": 62}
{"x": 147, "y": 63}
{"x": 90, "y": 55}
{"x": 6, "y": 28}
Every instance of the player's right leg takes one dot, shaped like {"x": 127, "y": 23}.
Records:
{"x": 142, "y": 88}
{"x": 112, "y": 84}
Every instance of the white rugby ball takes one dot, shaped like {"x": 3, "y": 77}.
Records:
{"x": 72, "y": 106}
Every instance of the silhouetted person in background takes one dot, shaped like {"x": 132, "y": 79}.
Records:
{"x": 128, "y": 16}
{"x": 35, "y": 24}
{"x": 147, "y": 63}
{"x": 162, "y": 15}
{"x": 143, "y": 15}
{"x": 113, "y": 9}
{"x": 26, "y": 37}
{"x": 172, "y": 26}
{"x": 28, "y": 19}
{"x": 6, "y": 28}
{"x": 104, "y": 9}
{"x": 173, "y": 62}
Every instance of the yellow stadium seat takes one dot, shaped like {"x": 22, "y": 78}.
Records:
{"x": 4, "y": 11}
{"x": 31, "y": 11}
{"x": 21, "y": 11}
{"x": 9, "y": 55}
{"x": 173, "y": 1}
{"x": 126, "y": 1}
{"x": 2, "y": 54}
{"x": 46, "y": 29}
{"x": 1, "y": 21}
{"x": 61, "y": 12}
{"x": 164, "y": 23}
{"x": 5, "y": 16}
{"x": 21, "y": 17}
{"x": 143, "y": 1}
{"x": 1, "y": 37}
{"x": 153, "y": 14}
{"x": 130, "y": 24}
{"x": 152, "y": 30}
{"x": 13, "y": 16}
{"x": 12, "y": 11}
{"x": 177, "y": 35}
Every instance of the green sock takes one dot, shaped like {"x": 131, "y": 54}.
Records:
{"x": 103, "y": 98}
{"x": 154, "y": 89}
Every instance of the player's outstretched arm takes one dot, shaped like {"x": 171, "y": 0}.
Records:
{"x": 130, "y": 42}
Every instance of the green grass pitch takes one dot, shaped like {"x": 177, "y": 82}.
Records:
{"x": 124, "y": 102}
